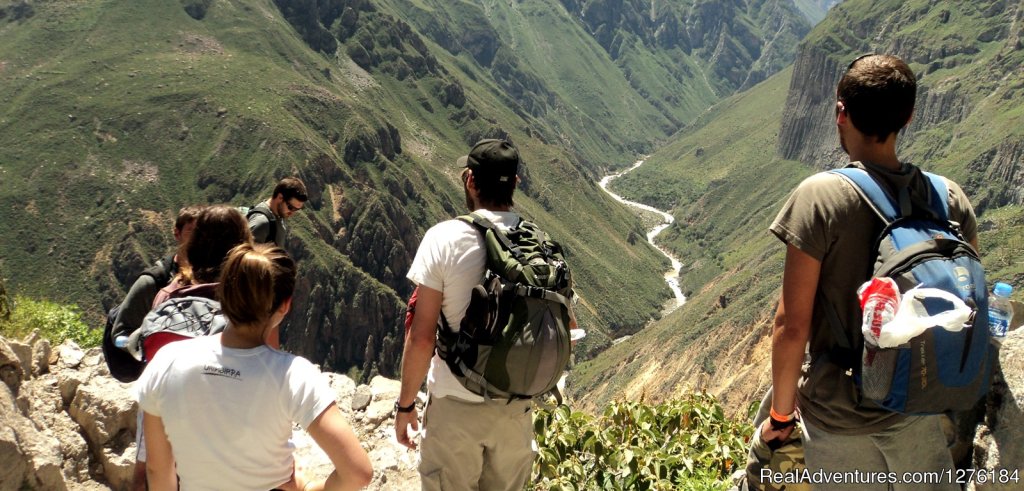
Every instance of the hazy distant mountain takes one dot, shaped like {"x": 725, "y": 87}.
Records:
{"x": 815, "y": 10}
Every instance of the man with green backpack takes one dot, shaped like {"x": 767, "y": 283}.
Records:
{"x": 490, "y": 333}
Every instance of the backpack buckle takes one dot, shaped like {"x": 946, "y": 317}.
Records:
{"x": 534, "y": 292}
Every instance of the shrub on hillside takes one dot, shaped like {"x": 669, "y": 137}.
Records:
{"x": 5, "y": 303}
{"x": 680, "y": 444}
{"x": 54, "y": 321}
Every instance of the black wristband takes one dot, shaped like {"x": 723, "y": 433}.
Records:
{"x": 406, "y": 409}
{"x": 781, "y": 425}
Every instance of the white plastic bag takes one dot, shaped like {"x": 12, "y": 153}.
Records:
{"x": 912, "y": 319}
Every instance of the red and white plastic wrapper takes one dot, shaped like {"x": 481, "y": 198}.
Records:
{"x": 879, "y": 300}
{"x": 891, "y": 319}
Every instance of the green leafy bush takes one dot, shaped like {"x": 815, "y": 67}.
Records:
{"x": 680, "y": 444}
{"x": 55, "y": 322}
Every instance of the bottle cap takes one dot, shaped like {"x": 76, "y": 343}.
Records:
{"x": 1002, "y": 289}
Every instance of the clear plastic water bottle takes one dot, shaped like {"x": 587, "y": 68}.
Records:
{"x": 1000, "y": 312}
{"x": 121, "y": 341}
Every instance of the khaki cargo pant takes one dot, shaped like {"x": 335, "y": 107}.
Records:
{"x": 913, "y": 451}
{"x": 468, "y": 446}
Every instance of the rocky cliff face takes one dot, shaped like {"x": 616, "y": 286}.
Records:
{"x": 808, "y": 128}
{"x": 65, "y": 424}
{"x": 738, "y": 53}
{"x": 997, "y": 175}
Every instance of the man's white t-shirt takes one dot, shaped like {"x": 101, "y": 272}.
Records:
{"x": 228, "y": 413}
{"x": 451, "y": 259}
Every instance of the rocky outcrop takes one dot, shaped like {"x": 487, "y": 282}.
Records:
{"x": 997, "y": 177}
{"x": 808, "y": 126}
{"x": 741, "y": 41}
{"x": 17, "y": 11}
{"x": 997, "y": 441}
{"x": 309, "y": 18}
{"x": 72, "y": 426}
{"x": 345, "y": 319}
{"x": 808, "y": 130}
{"x": 196, "y": 9}
{"x": 365, "y": 145}
{"x": 41, "y": 445}
{"x": 369, "y": 37}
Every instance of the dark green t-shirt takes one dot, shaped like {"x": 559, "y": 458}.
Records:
{"x": 828, "y": 220}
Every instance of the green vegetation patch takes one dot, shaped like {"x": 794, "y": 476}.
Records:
{"x": 54, "y": 322}
{"x": 687, "y": 443}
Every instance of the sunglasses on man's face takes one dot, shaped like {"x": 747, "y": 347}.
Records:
{"x": 291, "y": 208}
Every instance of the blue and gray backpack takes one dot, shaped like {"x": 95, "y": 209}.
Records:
{"x": 939, "y": 370}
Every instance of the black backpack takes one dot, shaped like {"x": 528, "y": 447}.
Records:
{"x": 514, "y": 340}
{"x": 122, "y": 365}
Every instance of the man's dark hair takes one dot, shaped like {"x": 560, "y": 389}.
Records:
{"x": 492, "y": 192}
{"x": 878, "y": 92}
{"x": 495, "y": 164}
{"x": 186, "y": 216}
{"x": 291, "y": 187}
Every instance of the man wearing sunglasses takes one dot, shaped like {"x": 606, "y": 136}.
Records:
{"x": 266, "y": 220}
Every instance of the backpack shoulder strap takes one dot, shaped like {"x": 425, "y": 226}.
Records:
{"x": 888, "y": 208}
{"x": 162, "y": 271}
{"x": 884, "y": 205}
{"x": 938, "y": 200}
{"x": 483, "y": 225}
{"x": 261, "y": 208}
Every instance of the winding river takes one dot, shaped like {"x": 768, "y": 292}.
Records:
{"x": 671, "y": 276}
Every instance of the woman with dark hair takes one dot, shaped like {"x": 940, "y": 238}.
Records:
{"x": 218, "y": 229}
{"x": 219, "y": 409}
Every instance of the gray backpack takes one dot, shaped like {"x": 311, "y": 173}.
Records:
{"x": 514, "y": 340}
{"x": 175, "y": 320}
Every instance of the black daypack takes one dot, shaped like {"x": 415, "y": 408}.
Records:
{"x": 938, "y": 370}
{"x": 514, "y": 340}
{"x": 261, "y": 209}
{"x": 121, "y": 364}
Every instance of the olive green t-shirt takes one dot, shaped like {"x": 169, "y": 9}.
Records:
{"x": 828, "y": 220}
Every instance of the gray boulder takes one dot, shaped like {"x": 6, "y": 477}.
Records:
{"x": 997, "y": 442}
{"x": 24, "y": 354}
{"x": 31, "y": 457}
{"x": 10, "y": 367}
{"x": 105, "y": 410}
{"x": 361, "y": 398}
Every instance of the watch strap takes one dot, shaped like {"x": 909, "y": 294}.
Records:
{"x": 405, "y": 409}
